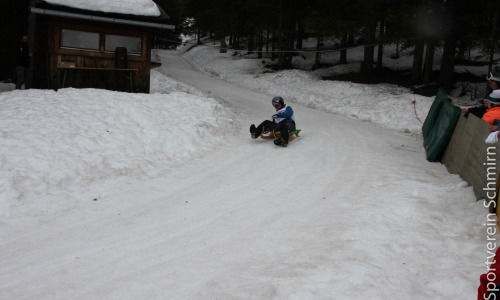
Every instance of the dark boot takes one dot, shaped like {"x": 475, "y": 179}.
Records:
{"x": 253, "y": 132}
{"x": 281, "y": 142}
{"x": 284, "y": 135}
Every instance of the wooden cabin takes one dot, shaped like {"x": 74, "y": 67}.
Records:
{"x": 90, "y": 49}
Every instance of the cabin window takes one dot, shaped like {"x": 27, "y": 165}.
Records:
{"x": 80, "y": 39}
{"x": 132, "y": 43}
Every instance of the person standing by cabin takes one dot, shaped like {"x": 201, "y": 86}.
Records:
{"x": 21, "y": 60}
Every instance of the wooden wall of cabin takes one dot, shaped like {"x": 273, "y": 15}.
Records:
{"x": 41, "y": 55}
{"x": 49, "y": 69}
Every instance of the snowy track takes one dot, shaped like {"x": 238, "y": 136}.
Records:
{"x": 348, "y": 211}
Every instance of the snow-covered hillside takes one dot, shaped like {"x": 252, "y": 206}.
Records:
{"x": 107, "y": 195}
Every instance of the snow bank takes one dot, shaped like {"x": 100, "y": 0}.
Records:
{"x": 53, "y": 142}
{"x": 383, "y": 104}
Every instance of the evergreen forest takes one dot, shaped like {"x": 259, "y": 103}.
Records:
{"x": 465, "y": 32}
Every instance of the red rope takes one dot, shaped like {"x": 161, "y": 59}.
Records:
{"x": 415, "y": 109}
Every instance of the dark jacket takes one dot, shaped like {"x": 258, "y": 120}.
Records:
{"x": 22, "y": 55}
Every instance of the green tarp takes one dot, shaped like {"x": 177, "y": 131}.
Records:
{"x": 439, "y": 125}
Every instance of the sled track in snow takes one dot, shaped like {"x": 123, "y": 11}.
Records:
{"x": 344, "y": 212}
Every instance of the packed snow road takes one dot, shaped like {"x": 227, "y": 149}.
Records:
{"x": 347, "y": 211}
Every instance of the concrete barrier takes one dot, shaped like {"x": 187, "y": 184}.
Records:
{"x": 468, "y": 155}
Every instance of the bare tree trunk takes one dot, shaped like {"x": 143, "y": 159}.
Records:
{"x": 418, "y": 58}
{"x": 260, "y": 43}
{"x": 396, "y": 55}
{"x": 267, "y": 40}
{"x": 300, "y": 35}
{"x": 343, "y": 51}
{"x": 367, "y": 64}
{"x": 449, "y": 50}
{"x": 429, "y": 61}
{"x": 286, "y": 37}
{"x": 273, "y": 46}
{"x": 448, "y": 64}
{"x": 317, "y": 60}
{"x": 251, "y": 43}
{"x": 493, "y": 39}
{"x": 380, "y": 53}
{"x": 280, "y": 36}
{"x": 236, "y": 42}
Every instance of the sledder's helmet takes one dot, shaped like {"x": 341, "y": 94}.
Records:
{"x": 278, "y": 100}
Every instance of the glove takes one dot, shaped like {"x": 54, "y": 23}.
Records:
{"x": 492, "y": 138}
{"x": 275, "y": 117}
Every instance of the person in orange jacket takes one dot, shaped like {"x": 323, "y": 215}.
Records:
{"x": 494, "y": 94}
{"x": 492, "y": 103}
{"x": 491, "y": 109}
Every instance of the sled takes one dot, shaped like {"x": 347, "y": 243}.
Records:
{"x": 275, "y": 134}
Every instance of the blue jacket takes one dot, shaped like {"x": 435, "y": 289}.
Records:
{"x": 285, "y": 114}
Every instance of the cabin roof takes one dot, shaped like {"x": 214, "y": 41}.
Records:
{"x": 127, "y": 9}
{"x": 133, "y": 12}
